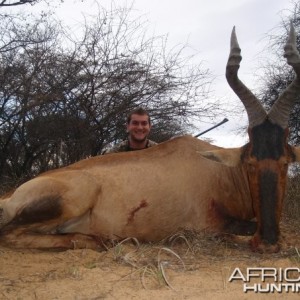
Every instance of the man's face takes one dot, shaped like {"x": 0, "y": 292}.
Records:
{"x": 139, "y": 127}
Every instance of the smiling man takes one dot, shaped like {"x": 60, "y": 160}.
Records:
{"x": 138, "y": 129}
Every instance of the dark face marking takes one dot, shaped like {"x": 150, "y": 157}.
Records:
{"x": 268, "y": 206}
{"x": 43, "y": 209}
{"x": 266, "y": 157}
{"x": 267, "y": 141}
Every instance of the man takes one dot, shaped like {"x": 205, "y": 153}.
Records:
{"x": 138, "y": 129}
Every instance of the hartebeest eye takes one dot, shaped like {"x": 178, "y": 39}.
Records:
{"x": 284, "y": 163}
{"x": 251, "y": 164}
{"x": 251, "y": 168}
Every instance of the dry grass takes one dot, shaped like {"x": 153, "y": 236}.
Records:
{"x": 188, "y": 261}
{"x": 188, "y": 251}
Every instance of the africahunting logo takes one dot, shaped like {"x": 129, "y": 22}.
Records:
{"x": 268, "y": 280}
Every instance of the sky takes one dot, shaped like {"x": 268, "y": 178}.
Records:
{"x": 206, "y": 26}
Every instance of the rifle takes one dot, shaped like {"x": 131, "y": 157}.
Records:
{"x": 224, "y": 121}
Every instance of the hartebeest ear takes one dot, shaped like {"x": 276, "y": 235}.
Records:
{"x": 230, "y": 157}
{"x": 296, "y": 151}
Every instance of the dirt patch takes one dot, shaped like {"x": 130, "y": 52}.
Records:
{"x": 188, "y": 266}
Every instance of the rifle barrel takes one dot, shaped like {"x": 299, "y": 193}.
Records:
{"x": 224, "y": 121}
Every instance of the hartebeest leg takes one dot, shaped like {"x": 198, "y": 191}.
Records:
{"x": 20, "y": 238}
{"x": 48, "y": 202}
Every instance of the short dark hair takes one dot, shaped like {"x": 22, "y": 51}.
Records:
{"x": 138, "y": 111}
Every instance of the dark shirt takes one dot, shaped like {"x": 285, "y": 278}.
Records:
{"x": 125, "y": 146}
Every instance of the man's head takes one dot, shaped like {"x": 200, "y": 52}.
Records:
{"x": 138, "y": 125}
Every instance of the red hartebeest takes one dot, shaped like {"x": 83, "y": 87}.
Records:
{"x": 152, "y": 193}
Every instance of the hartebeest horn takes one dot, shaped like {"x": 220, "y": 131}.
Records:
{"x": 280, "y": 111}
{"x": 255, "y": 111}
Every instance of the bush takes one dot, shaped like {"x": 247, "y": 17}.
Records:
{"x": 292, "y": 199}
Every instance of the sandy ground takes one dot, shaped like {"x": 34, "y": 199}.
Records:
{"x": 189, "y": 267}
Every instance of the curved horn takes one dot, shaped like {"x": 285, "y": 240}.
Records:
{"x": 255, "y": 111}
{"x": 280, "y": 111}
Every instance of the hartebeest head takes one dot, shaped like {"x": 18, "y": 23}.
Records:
{"x": 267, "y": 155}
